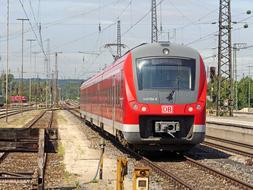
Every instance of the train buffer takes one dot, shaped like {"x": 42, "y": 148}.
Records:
{"x": 27, "y": 140}
{"x": 30, "y": 140}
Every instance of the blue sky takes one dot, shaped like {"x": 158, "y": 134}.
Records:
{"x": 72, "y": 26}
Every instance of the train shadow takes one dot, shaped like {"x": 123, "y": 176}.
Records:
{"x": 199, "y": 152}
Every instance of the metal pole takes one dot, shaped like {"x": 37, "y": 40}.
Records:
{"x": 36, "y": 76}
{"x": 56, "y": 76}
{"x": 225, "y": 73}
{"x": 7, "y": 61}
{"x": 249, "y": 94}
{"x": 235, "y": 77}
{"x": 154, "y": 36}
{"x": 30, "y": 80}
{"x": 22, "y": 63}
{"x": 249, "y": 91}
{"x": 56, "y": 97}
{"x": 48, "y": 73}
{"x": 118, "y": 39}
{"x": 236, "y": 48}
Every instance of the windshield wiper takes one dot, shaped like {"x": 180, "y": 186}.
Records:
{"x": 170, "y": 97}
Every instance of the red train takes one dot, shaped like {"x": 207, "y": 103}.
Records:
{"x": 153, "y": 97}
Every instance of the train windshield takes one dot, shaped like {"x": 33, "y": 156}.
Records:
{"x": 166, "y": 73}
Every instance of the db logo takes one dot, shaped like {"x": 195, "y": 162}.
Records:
{"x": 167, "y": 109}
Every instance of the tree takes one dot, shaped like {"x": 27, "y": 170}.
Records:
{"x": 243, "y": 92}
{"x": 3, "y": 82}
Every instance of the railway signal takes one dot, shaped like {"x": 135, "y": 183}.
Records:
{"x": 141, "y": 179}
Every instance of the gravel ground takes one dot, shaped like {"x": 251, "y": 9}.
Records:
{"x": 19, "y": 120}
{"x": 233, "y": 165}
{"x": 55, "y": 174}
{"x": 215, "y": 158}
{"x": 111, "y": 154}
{"x": 27, "y": 162}
{"x": 59, "y": 175}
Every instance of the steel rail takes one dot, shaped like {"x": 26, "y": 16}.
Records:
{"x": 31, "y": 123}
{"x": 3, "y": 155}
{"x": 41, "y": 172}
{"x": 230, "y": 142}
{"x": 219, "y": 174}
{"x": 9, "y": 176}
{"x": 178, "y": 183}
{"x": 15, "y": 176}
{"x": 11, "y": 113}
{"x": 229, "y": 149}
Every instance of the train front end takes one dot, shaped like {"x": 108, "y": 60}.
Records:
{"x": 165, "y": 104}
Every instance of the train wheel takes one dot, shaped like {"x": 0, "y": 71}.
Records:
{"x": 120, "y": 138}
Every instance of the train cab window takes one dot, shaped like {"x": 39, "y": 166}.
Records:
{"x": 164, "y": 73}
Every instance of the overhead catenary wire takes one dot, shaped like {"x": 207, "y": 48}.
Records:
{"x": 58, "y": 21}
{"x": 32, "y": 11}
{"x": 36, "y": 36}
{"x": 85, "y": 36}
{"x": 38, "y": 23}
{"x": 141, "y": 19}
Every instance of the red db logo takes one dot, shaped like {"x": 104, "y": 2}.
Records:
{"x": 167, "y": 109}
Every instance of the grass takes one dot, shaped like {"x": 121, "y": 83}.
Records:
{"x": 18, "y": 120}
{"x": 60, "y": 150}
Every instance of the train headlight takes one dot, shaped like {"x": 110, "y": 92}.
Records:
{"x": 144, "y": 108}
{"x": 190, "y": 109}
{"x": 198, "y": 107}
{"x": 166, "y": 51}
{"x": 135, "y": 106}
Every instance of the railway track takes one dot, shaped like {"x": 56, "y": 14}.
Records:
{"x": 165, "y": 169}
{"x": 12, "y": 112}
{"x": 3, "y": 155}
{"x": 22, "y": 168}
{"x": 230, "y": 146}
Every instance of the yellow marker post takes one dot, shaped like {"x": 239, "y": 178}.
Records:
{"x": 121, "y": 172}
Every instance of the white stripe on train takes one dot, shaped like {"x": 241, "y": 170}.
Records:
{"x": 108, "y": 124}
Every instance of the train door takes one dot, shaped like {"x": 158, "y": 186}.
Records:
{"x": 97, "y": 104}
{"x": 101, "y": 103}
{"x": 113, "y": 102}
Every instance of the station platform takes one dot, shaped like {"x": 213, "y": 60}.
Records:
{"x": 236, "y": 121}
{"x": 237, "y": 128}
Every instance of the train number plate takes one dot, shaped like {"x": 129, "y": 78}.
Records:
{"x": 167, "y": 109}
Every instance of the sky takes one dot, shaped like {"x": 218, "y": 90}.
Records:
{"x": 72, "y": 26}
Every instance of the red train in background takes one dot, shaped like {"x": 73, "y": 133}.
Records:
{"x": 18, "y": 99}
{"x": 153, "y": 97}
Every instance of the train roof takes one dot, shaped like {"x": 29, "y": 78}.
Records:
{"x": 149, "y": 50}
{"x": 156, "y": 49}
